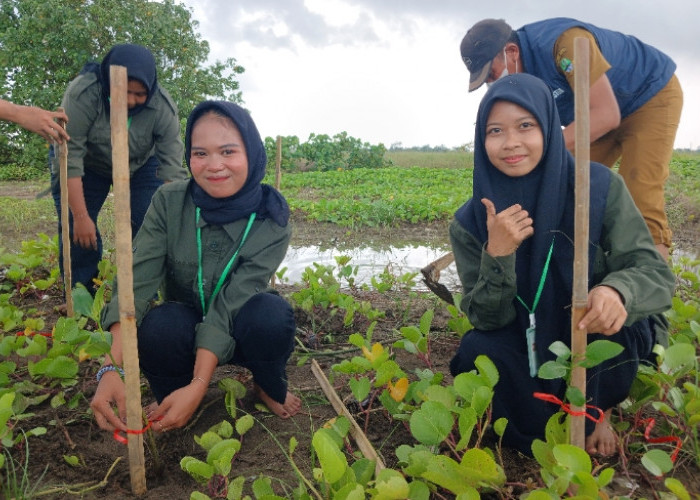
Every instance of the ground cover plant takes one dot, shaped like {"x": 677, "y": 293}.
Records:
{"x": 385, "y": 347}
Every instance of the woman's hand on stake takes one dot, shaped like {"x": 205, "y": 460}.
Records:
{"x": 605, "y": 311}
{"x": 110, "y": 391}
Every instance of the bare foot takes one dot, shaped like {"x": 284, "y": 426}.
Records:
{"x": 289, "y": 408}
{"x": 602, "y": 441}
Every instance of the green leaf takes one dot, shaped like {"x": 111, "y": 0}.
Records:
{"x": 599, "y": 351}
{"x": 360, "y": 387}
{"x": 200, "y": 471}
{"x": 572, "y": 457}
{"x": 487, "y": 369}
{"x": 499, "y": 426}
{"x": 552, "y": 370}
{"x": 390, "y": 484}
{"x": 677, "y": 488}
{"x": 431, "y": 424}
{"x": 333, "y": 461}
{"x": 244, "y": 424}
{"x": 657, "y": 462}
{"x": 679, "y": 356}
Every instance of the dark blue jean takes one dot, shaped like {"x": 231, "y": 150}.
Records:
{"x": 143, "y": 185}
{"x": 263, "y": 329}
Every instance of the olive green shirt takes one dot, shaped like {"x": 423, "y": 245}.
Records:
{"x": 165, "y": 257}
{"x": 626, "y": 260}
{"x": 155, "y": 130}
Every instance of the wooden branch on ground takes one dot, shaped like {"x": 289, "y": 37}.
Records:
{"x": 360, "y": 438}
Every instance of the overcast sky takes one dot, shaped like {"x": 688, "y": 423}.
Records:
{"x": 390, "y": 71}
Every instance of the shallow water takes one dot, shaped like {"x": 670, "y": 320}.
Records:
{"x": 397, "y": 260}
{"x": 370, "y": 262}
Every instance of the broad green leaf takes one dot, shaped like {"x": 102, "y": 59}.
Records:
{"x": 360, "y": 387}
{"x": 333, "y": 461}
{"x": 244, "y": 424}
{"x": 552, "y": 370}
{"x": 599, "y": 351}
{"x": 657, "y": 462}
{"x": 200, "y": 471}
{"x": 432, "y": 423}
{"x": 572, "y": 457}
{"x": 487, "y": 369}
{"x": 679, "y": 356}
{"x": 390, "y": 485}
{"x": 677, "y": 488}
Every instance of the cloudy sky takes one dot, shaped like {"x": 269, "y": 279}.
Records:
{"x": 390, "y": 71}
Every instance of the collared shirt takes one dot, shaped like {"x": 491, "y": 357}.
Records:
{"x": 153, "y": 131}
{"x": 626, "y": 260}
{"x": 165, "y": 257}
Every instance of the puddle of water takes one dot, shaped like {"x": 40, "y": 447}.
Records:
{"x": 370, "y": 262}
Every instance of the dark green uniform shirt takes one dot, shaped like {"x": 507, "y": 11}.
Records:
{"x": 626, "y": 260}
{"x": 165, "y": 257}
{"x": 155, "y": 130}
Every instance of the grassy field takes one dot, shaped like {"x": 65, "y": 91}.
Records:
{"x": 422, "y": 187}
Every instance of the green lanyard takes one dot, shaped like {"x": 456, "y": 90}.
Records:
{"x": 222, "y": 278}
{"x": 530, "y": 332}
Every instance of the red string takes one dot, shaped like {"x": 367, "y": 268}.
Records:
{"x": 31, "y": 334}
{"x": 123, "y": 439}
{"x": 567, "y": 407}
{"x": 650, "y": 422}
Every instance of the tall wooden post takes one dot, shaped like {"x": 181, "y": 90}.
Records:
{"x": 127, "y": 315}
{"x": 61, "y": 149}
{"x": 278, "y": 181}
{"x": 579, "y": 339}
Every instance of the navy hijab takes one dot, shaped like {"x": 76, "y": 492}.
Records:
{"x": 253, "y": 196}
{"x": 139, "y": 63}
{"x": 547, "y": 193}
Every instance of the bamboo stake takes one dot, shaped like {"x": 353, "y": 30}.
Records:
{"x": 278, "y": 164}
{"x": 362, "y": 442}
{"x": 65, "y": 228}
{"x": 580, "y": 288}
{"x": 127, "y": 315}
{"x": 278, "y": 181}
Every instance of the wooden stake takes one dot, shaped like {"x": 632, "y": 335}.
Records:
{"x": 579, "y": 299}
{"x": 62, "y": 150}
{"x": 127, "y": 315}
{"x": 278, "y": 164}
{"x": 278, "y": 182}
{"x": 362, "y": 442}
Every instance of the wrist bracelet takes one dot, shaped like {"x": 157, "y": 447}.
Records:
{"x": 81, "y": 215}
{"x": 201, "y": 380}
{"x": 108, "y": 368}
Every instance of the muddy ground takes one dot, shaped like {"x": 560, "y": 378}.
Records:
{"x": 264, "y": 447}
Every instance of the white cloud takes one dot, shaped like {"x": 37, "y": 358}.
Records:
{"x": 389, "y": 71}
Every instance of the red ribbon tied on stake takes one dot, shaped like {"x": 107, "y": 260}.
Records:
{"x": 550, "y": 398}
{"x": 123, "y": 439}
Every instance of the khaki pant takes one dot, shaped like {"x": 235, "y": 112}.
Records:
{"x": 644, "y": 142}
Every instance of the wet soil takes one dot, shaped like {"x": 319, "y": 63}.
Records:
{"x": 103, "y": 469}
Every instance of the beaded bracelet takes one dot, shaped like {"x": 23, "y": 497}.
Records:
{"x": 108, "y": 368}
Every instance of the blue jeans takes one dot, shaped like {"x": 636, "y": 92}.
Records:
{"x": 263, "y": 329}
{"x": 143, "y": 185}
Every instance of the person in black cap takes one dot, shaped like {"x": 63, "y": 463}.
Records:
{"x": 155, "y": 150}
{"x": 210, "y": 244}
{"x": 635, "y": 97}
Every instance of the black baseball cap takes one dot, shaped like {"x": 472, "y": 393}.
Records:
{"x": 480, "y": 45}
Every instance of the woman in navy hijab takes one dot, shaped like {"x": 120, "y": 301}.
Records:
{"x": 513, "y": 246}
{"x": 155, "y": 150}
{"x": 210, "y": 245}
